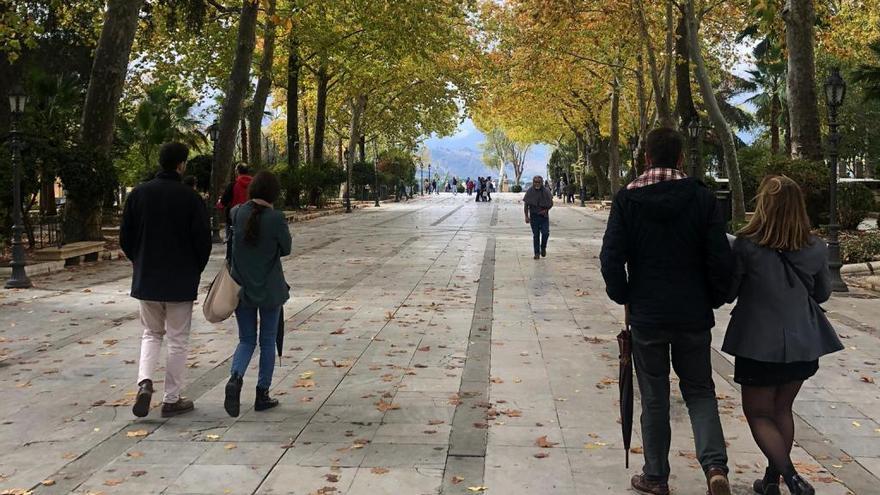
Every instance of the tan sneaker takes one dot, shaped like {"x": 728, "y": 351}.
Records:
{"x": 183, "y": 405}
{"x": 716, "y": 478}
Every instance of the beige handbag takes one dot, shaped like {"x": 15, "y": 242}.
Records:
{"x": 222, "y": 298}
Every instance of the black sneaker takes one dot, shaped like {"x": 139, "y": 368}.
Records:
{"x": 544, "y": 253}
{"x": 141, "y": 405}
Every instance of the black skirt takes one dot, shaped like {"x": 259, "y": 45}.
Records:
{"x": 762, "y": 374}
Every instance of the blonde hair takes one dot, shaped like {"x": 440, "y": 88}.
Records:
{"x": 780, "y": 221}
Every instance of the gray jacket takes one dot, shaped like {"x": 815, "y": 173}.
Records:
{"x": 777, "y": 317}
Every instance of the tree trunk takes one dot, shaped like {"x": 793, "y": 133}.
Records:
{"x": 231, "y": 111}
{"x": 109, "y": 69}
{"x": 362, "y": 149}
{"x": 106, "y": 83}
{"x": 323, "y": 81}
{"x": 664, "y": 114}
{"x": 293, "y": 151}
{"x": 243, "y": 138}
{"x": 264, "y": 85}
{"x": 614, "y": 145}
{"x": 718, "y": 120}
{"x": 774, "y": 125}
{"x": 358, "y": 105}
{"x": 684, "y": 105}
{"x": 305, "y": 118}
{"x": 803, "y": 105}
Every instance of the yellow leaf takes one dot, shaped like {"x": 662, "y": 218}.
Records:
{"x": 137, "y": 434}
{"x": 306, "y": 375}
{"x": 476, "y": 489}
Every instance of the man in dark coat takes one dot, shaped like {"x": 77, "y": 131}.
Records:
{"x": 666, "y": 257}
{"x": 536, "y": 205}
{"x": 166, "y": 234}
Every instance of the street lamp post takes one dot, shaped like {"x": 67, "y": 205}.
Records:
{"x": 214, "y": 134}
{"x": 588, "y": 149}
{"x": 19, "y": 278}
{"x": 835, "y": 91}
{"x": 349, "y": 155}
{"x": 429, "y": 175}
{"x": 376, "y": 181}
{"x": 422, "y": 177}
{"x": 695, "y": 131}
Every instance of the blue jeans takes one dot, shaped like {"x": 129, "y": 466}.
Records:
{"x": 247, "y": 342}
{"x": 540, "y": 232}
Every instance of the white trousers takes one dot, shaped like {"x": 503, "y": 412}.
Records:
{"x": 160, "y": 320}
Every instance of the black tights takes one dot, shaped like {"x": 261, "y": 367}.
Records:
{"x": 768, "y": 411}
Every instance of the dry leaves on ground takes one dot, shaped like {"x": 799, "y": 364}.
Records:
{"x": 379, "y": 470}
{"x": 867, "y": 379}
{"x": 383, "y": 406}
{"x": 137, "y": 434}
{"x": 544, "y": 443}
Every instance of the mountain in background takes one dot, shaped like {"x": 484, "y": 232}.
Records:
{"x": 460, "y": 155}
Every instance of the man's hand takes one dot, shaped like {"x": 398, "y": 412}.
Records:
{"x": 527, "y": 220}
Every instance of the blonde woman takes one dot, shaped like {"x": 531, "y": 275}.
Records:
{"x": 777, "y": 330}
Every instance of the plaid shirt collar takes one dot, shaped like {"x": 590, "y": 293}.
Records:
{"x": 656, "y": 175}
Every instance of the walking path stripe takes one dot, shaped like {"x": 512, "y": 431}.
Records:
{"x": 469, "y": 436}
{"x": 444, "y": 217}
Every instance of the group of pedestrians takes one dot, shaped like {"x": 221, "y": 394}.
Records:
{"x": 166, "y": 234}
{"x": 666, "y": 257}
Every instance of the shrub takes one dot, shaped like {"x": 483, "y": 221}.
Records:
{"x": 859, "y": 247}
{"x": 516, "y": 188}
{"x": 854, "y": 201}
{"x": 460, "y": 188}
{"x": 320, "y": 181}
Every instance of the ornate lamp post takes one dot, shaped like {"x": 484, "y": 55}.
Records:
{"x": 376, "y": 180}
{"x": 430, "y": 179}
{"x": 835, "y": 91}
{"x": 695, "y": 131}
{"x": 422, "y": 177}
{"x": 19, "y": 278}
{"x": 214, "y": 133}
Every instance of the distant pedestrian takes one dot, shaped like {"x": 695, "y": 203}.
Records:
{"x": 538, "y": 200}
{"x": 455, "y": 186}
{"x": 236, "y": 192}
{"x": 666, "y": 257}
{"x": 569, "y": 193}
{"x": 260, "y": 238}
{"x": 166, "y": 234}
{"x": 434, "y": 186}
{"x": 478, "y": 187}
{"x": 778, "y": 332}
{"x": 488, "y": 188}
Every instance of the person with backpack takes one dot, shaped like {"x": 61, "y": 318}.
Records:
{"x": 260, "y": 238}
{"x": 166, "y": 234}
{"x": 778, "y": 331}
{"x": 666, "y": 258}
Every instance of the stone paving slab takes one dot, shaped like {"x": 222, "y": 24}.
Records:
{"x": 412, "y": 325}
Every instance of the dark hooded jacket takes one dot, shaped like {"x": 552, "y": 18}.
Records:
{"x": 666, "y": 255}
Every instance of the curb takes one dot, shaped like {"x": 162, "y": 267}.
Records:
{"x": 36, "y": 269}
{"x": 871, "y": 267}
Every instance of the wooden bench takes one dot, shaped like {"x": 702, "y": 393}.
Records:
{"x": 73, "y": 253}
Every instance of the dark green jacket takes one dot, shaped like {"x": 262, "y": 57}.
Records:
{"x": 257, "y": 268}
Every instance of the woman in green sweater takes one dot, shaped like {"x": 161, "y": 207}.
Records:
{"x": 260, "y": 239}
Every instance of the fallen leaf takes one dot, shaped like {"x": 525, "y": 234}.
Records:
{"x": 457, "y": 479}
{"x": 379, "y": 470}
{"x": 332, "y": 478}
{"x": 867, "y": 379}
{"x": 47, "y": 482}
{"x": 114, "y": 482}
{"x": 541, "y": 455}
{"x": 229, "y": 446}
{"x": 138, "y": 474}
{"x": 637, "y": 450}
{"x": 476, "y": 489}
{"x": 307, "y": 384}
{"x": 544, "y": 443}
{"x": 383, "y": 406}
{"x": 306, "y": 375}
{"x": 435, "y": 422}
{"x": 137, "y": 434}
{"x": 135, "y": 454}
{"x": 212, "y": 437}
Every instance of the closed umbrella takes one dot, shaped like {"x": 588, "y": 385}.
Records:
{"x": 279, "y": 339}
{"x": 625, "y": 384}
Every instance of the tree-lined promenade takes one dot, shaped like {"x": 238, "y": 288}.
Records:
{"x": 373, "y": 394}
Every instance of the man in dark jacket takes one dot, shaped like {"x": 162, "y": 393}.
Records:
{"x": 666, "y": 257}
{"x": 166, "y": 235}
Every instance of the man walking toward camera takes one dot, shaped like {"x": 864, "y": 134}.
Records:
{"x": 537, "y": 203}
{"x": 166, "y": 235}
{"x": 666, "y": 257}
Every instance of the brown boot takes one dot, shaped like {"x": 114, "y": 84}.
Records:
{"x": 183, "y": 405}
{"x": 716, "y": 479}
{"x": 651, "y": 487}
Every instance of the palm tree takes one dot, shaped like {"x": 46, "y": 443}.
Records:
{"x": 768, "y": 82}
{"x": 163, "y": 115}
{"x": 869, "y": 75}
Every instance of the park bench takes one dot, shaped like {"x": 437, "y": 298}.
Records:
{"x": 73, "y": 253}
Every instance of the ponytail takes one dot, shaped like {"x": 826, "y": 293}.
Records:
{"x": 252, "y": 229}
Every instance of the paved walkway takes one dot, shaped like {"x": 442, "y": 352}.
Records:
{"x": 427, "y": 352}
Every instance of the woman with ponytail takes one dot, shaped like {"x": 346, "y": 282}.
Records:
{"x": 777, "y": 331}
{"x": 260, "y": 238}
